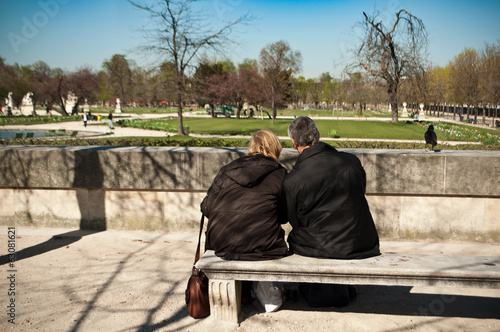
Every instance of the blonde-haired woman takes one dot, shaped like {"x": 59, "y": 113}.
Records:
{"x": 244, "y": 204}
{"x": 245, "y": 211}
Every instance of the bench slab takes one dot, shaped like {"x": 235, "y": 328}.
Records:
{"x": 389, "y": 269}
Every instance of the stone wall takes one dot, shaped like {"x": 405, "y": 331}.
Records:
{"x": 412, "y": 193}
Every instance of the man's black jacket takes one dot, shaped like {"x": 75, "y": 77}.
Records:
{"x": 327, "y": 208}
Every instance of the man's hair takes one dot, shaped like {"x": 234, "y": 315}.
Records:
{"x": 267, "y": 143}
{"x": 303, "y": 131}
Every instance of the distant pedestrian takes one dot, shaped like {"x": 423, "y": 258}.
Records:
{"x": 431, "y": 137}
{"x": 110, "y": 120}
{"x": 85, "y": 118}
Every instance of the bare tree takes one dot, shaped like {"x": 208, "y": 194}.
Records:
{"x": 278, "y": 61}
{"x": 166, "y": 82}
{"x": 119, "y": 76}
{"x": 389, "y": 53}
{"x": 83, "y": 83}
{"x": 315, "y": 88}
{"x": 8, "y": 77}
{"x": 201, "y": 82}
{"x": 179, "y": 35}
{"x": 357, "y": 91}
{"x": 42, "y": 83}
{"x": 249, "y": 86}
{"x": 299, "y": 91}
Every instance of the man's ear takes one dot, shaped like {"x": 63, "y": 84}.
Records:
{"x": 293, "y": 142}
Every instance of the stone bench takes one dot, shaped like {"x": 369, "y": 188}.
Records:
{"x": 388, "y": 269}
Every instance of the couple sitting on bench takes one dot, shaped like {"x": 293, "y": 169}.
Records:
{"x": 323, "y": 198}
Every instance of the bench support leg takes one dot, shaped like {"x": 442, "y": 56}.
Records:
{"x": 225, "y": 299}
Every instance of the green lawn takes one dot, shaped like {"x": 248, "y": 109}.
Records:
{"x": 345, "y": 129}
{"x": 135, "y": 110}
{"x": 352, "y": 129}
{"x": 330, "y": 113}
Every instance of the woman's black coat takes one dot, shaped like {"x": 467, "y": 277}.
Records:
{"x": 244, "y": 209}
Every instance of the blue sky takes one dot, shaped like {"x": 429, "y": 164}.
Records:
{"x": 72, "y": 33}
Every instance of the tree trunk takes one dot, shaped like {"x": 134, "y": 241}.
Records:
{"x": 180, "y": 126}
{"x": 240, "y": 107}
{"x": 61, "y": 101}
{"x": 74, "y": 111}
{"x": 180, "y": 129}
{"x": 273, "y": 104}
{"x": 493, "y": 124}
{"x": 271, "y": 117}
{"x": 392, "y": 91}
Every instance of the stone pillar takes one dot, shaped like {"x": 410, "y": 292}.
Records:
{"x": 225, "y": 300}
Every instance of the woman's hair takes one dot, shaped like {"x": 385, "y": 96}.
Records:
{"x": 267, "y": 143}
{"x": 303, "y": 131}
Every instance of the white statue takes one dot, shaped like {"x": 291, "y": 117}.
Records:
{"x": 28, "y": 99}
{"x": 86, "y": 107}
{"x": 421, "y": 113}
{"x": 405, "y": 111}
{"x": 10, "y": 102}
{"x": 118, "y": 107}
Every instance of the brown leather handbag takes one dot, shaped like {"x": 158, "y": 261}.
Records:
{"x": 197, "y": 287}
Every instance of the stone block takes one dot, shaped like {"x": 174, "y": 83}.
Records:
{"x": 188, "y": 215}
{"x": 141, "y": 210}
{"x": 7, "y": 203}
{"x": 48, "y": 208}
{"x": 477, "y": 174}
{"x": 386, "y": 213}
{"x": 441, "y": 217}
{"x": 404, "y": 174}
{"x": 492, "y": 215}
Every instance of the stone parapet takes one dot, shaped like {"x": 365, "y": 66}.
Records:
{"x": 412, "y": 193}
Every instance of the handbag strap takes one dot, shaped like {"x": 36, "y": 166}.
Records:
{"x": 197, "y": 255}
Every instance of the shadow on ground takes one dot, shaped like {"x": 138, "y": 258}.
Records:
{"x": 54, "y": 243}
{"x": 397, "y": 300}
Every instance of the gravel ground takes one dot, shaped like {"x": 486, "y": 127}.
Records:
{"x": 70, "y": 280}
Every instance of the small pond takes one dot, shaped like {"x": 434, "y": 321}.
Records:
{"x": 23, "y": 134}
